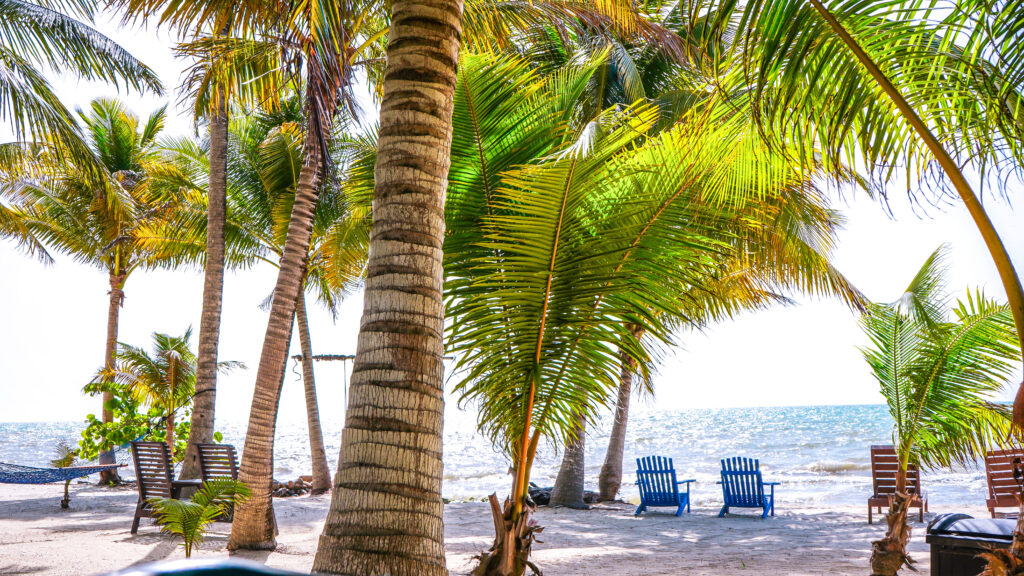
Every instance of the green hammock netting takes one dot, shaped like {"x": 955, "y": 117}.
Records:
{"x": 17, "y": 474}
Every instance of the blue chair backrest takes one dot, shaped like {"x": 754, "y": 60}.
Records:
{"x": 656, "y": 477}
{"x": 741, "y": 482}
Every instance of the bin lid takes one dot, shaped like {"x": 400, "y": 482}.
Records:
{"x": 964, "y": 525}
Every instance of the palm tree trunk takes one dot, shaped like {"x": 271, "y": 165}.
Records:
{"x": 205, "y": 398}
{"x": 889, "y": 554}
{"x": 170, "y": 433}
{"x": 116, "y": 294}
{"x": 610, "y": 480}
{"x": 386, "y": 511}
{"x": 321, "y": 474}
{"x": 1001, "y": 258}
{"x": 170, "y": 409}
{"x": 568, "y": 490}
{"x": 254, "y": 525}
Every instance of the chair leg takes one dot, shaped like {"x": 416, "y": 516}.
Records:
{"x": 920, "y": 513}
{"x": 640, "y": 509}
{"x": 869, "y": 513}
{"x": 138, "y": 516}
{"x": 724, "y": 511}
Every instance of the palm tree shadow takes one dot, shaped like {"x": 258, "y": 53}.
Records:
{"x": 16, "y": 569}
{"x": 161, "y": 551}
{"x": 259, "y": 556}
{"x": 605, "y": 539}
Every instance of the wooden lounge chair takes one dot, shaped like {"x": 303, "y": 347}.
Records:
{"x": 217, "y": 461}
{"x": 743, "y": 487}
{"x": 656, "y": 477}
{"x": 884, "y": 464}
{"x": 1003, "y": 486}
{"x": 155, "y": 477}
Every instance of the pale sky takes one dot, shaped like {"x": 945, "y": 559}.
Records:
{"x": 53, "y": 320}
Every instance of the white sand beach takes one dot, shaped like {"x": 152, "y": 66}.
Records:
{"x": 92, "y": 537}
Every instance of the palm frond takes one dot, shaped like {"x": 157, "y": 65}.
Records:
{"x": 51, "y": 38}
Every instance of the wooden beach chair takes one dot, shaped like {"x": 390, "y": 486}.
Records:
{"x": 217, "y": 461}
{"x": 155, "y": 477}
{"x": 884, "y": 464}
{"x": 656, "y": 478}
{"x": 743, "y": 487}
{"x": 1003, "y": 486}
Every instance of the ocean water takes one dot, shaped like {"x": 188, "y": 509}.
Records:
{"x": 820, "y": 454}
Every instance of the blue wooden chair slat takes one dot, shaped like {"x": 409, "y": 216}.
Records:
{"x": 656, "y": 479}
{"x": 743, "y": 486}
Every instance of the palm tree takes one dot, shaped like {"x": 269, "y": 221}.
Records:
{"x": 563, "y": 244}
{"x": 937, "y": 375}
{"x": 861, "y": 82}
{"x": 165, "y": 381}
{"x": 927, "y": 86}
{"x": 220, "y": 75}
{"x": 631, "y": 71}
{"x": 265, "y": 157}
{"x": 93, "y": 216}
{"x": 328, "y": 39}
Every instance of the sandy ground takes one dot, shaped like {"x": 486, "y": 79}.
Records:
{"x": 37, "y": 537}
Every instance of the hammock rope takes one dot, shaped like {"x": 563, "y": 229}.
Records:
{"x": 18, "y": 474}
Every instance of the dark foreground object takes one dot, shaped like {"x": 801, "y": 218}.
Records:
{"x": 957, "y": 539}
{"x": 212, "y": 567}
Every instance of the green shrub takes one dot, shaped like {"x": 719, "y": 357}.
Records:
{"x": 189, "y": 518}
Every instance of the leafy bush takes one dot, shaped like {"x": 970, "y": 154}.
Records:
{"x": 130, "y": 423}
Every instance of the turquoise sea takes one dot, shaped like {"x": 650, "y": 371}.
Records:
{"x": 819, "y": 453}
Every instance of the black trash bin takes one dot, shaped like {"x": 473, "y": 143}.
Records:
{"x": 957, "y": 539}
{"x": 205, "y": 567}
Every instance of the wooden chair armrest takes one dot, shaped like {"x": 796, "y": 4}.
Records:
{"x": 771, "y": 483}
{"x": 685, "y": 481}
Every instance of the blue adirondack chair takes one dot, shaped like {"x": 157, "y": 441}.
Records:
{"x": 656, "y": 478}
{"x": 742, "y": 487}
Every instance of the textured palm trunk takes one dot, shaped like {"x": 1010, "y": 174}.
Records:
{"x": 171, "y": 379}
{"x": 321, "y": 473}
{"x": 889, "y": 554}
{"x": 170, "y": 433}
{"x": 610, "y": 479}
{"x": 204, "y": 401}
{"x": 254, "y": 525}
{"x": 116, "y": 294}
{"x": 386, "y": 510}
{"x": 568, "y": 490}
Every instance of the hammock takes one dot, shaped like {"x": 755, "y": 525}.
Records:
{"x": 17, "y": 474}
